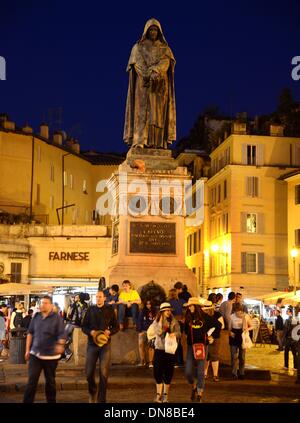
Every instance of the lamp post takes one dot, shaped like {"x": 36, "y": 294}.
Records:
{"x": 294, "y": 254}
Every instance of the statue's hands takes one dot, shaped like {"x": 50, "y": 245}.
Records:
{"x": 154, "y": 75}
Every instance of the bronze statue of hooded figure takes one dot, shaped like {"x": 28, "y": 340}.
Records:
{"x": 150, "y": 119}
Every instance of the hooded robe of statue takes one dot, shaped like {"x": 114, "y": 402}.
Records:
{"x": 150, "y": 118}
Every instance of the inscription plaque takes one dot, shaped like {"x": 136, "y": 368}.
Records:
{"x": 152, "y": 238}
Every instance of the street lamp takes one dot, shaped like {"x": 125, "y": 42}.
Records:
{"x": 294, "y": 254}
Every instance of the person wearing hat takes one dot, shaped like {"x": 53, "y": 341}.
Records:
{"x": 197, "y": 324}
{"x": 164, "y": 323}
{"x": 99, "y": 323}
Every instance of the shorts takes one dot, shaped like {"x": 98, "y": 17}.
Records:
{"x": 213, "y": 350}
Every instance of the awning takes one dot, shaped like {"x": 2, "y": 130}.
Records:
{"x": 23, "y": 289}
{"x": 272, "y": 299}
{"x": 293, "y": 301}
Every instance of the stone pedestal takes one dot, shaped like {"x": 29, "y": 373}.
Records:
{"x": 124, "y": 347}
{"x": 79, "y": 347}
{"x": 148, "y": 241}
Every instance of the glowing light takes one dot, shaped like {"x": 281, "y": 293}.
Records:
{"x": 214, "y": 248}
{"x": 294, "y": 252}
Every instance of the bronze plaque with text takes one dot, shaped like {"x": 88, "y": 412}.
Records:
{"x": 152, "y": 238}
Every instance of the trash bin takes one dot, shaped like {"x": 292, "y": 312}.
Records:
{"x": 17, "y": 346}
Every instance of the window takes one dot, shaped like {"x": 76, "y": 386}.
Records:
{"x": 252, "y": 186}
{"x": 225, "y": 189}
{"x": 84, "y": 187}
{"x": 297, "y": 194}
{"x": 51, "y": 202}
{"x": 225, "y": 223}
{"x": 52, "y": 172}
{"x": 251, "y": 154}
{"x": 195, "y": 243}
{"x": 199, "y": 239}
{"x": 219, "y": 193}
{"x": 65, "y": 178}
{"x": 251, "y": 223}
{"x": 38, "y": 194}
{"x": 71, "y": 182}
{"x": 297, "y": 237}
{"x": 16, "y": 272}
{"x": 252, "y": 262}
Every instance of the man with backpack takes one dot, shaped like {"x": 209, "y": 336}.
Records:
{"x": 17, "y": 316}
{"x": 74, "y": 319}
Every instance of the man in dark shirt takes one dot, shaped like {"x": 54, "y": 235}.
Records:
{"x": 99, "y": 317}
{"x": 44, "y": 346}
{"x": 279, "y": 329}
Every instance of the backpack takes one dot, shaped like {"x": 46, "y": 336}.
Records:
{"x": 18, "y": 320}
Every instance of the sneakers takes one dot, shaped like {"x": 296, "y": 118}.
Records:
{"x": 216, "y": 379}
{"x": 150, "y": 366}
{"x": 68, "y": 356}
{"x": 140, "y": 365}
{"x": 92, "y": 398}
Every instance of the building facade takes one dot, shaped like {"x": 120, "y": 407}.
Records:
{"x": 245, "y": 247}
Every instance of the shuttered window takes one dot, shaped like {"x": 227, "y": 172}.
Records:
{"x": 252, "y": 262}
{"x": 297, "y": 194}
{"x": 297, "y": 237}
{"x": 252, "y": 186}
{"x": 16, "y": 272}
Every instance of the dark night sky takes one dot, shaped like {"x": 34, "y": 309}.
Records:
{"x": 68, "y": 54}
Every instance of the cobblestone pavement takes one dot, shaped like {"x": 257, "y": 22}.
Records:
{"x": 266, "y": 357}
{"x": 146, "y": 394}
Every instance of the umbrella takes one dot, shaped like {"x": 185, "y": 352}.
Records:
{"x": 23, "y": 289}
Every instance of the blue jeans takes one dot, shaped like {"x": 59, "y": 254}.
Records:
{"x": 238, "y": 355}
{"x": 191, "y": 370}
{"x": 123, "y": 309}
{"x": 94, "y": 354}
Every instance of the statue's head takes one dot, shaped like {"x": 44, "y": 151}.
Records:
{"x": 153, "y": 33}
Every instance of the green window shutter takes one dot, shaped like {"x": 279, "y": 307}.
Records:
{"x": 261, "y": 263}
{"x": 243, "y": 262}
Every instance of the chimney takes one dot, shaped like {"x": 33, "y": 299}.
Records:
{"x": 57, "y": 138}
{"x": 6, "y": 123}
{"x": 73, "y": 145}
{"x": 276, "y": 130}
{"x": 76, "y": 147}
{"x": 239, "y": 128}
{"x": 27, "y": 129}
{"x": 44, "y": 130}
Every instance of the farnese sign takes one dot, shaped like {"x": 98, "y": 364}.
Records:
{"x": 74, "y": 256}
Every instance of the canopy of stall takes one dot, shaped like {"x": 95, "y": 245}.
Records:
{"x": 23, "y": 289}
{"x": 279, "y": 297}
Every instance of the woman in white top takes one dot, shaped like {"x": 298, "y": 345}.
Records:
{"x": 238, "y": 323}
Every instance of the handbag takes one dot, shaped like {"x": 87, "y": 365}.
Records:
{"x": 198, "y": 348}
{"x": 170, "y": 344}
{"x": 247, "y": 343}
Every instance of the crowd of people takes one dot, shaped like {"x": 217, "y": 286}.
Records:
{"x": 180, "y": 319}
